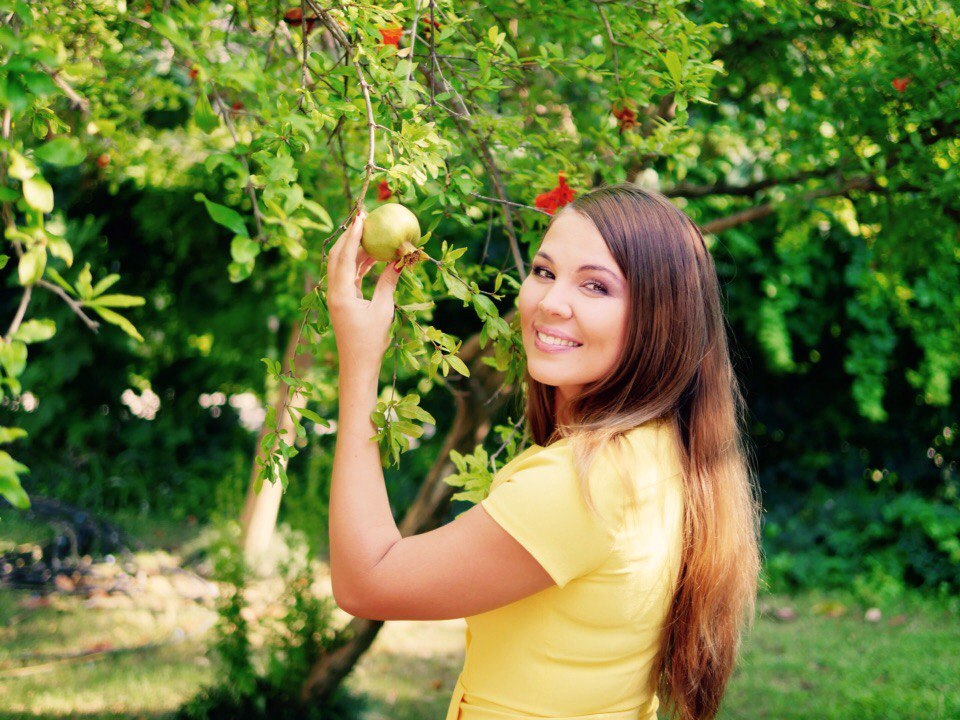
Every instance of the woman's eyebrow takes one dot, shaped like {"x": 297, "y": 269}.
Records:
{"x": 601, "y": 268}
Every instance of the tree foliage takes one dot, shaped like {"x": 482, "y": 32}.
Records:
{"x": 815, "y": 143}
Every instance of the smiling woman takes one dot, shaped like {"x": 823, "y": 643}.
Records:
{"x": 613, "y": 563}
{"x": 628, "y": 278}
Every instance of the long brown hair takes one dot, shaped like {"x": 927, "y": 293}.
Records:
{"x": 675, "y": 367}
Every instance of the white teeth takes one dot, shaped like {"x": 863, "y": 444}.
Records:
{"x": 550, "y": 340}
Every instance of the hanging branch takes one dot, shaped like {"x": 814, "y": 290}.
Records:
{"x": 345, "y": 43}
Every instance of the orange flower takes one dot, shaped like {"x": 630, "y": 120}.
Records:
{"x": 383, "y": 191}
{"x": 553, "y": 200}
{"x": 901, "y": 83}
{"x": 391, "y": 36}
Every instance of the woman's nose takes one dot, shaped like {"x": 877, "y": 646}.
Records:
{"x": 551, "y": 303}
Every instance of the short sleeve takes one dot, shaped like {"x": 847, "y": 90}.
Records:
{"x": 539, "y": 502}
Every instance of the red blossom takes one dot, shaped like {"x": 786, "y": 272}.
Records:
{"x": 237, "y": 105}
{"x": 626, "y": 115}
{"x": 391, "y": 36}
{"x": 553, "y": 200}
{"x": 294, "y": 17}
{"x": 103, "y": 160}
{"x": 383, "y": 191}
{"x": 901, "y": 83}
{"x": 193, "y": 72}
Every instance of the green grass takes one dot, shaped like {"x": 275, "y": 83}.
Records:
{"x": 816, "y": 666}
{"x": 141, "y": 683}
{"x": 827, "y": 663}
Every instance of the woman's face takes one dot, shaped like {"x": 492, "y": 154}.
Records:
{"x": 587, "y": 305}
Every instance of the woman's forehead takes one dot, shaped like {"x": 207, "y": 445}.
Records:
{"x": 574, "y": 238}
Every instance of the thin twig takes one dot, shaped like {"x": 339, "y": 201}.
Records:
{"x": 80, "y": 102}
{"x": 510, "y": 203}
{"x": 21, "y": 311}
{"x": 304, "y": 72}
{"x": 413, "y": 44}
{"x": 613, "y": 42}
{"x": 73, "y": 304}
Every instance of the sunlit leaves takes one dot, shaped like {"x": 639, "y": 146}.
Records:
{"x": 33, "y": 331}
{"x": 10, "y": 487}
{"x": 395, "y": 427}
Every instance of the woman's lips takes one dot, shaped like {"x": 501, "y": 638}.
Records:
{"x": 540, "y": 345}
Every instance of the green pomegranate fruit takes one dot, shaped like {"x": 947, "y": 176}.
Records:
{"x": 392, "y": 233}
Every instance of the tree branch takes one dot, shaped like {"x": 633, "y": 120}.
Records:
{"x": 696, "y": 191}
{"x": 370, "y": 166}
{"x": 765, "y": 209}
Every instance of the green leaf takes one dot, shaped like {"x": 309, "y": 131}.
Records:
{"x": 62, "y": 151}
{"x": 104, "y": 284}
{"x": 3, "y": 261}
{"x": 39, "y": 83}
{"x": 13, "y": 357}
{"x": 33, "y": 331}
{"x": 119, "y": 301}
{"x": 84, "y": 278}
{"x": 238, "y": 272}
{"x": 60, "y": 248}
{"x": 203, "y": 114}
{"x": 10, "y": 434}
{"x": 10, "y": 486}
{"x": 458, "y": 365}
{"x": 672, "y": 61}
{"x": 312, "y": 416}
{"x": 222, "y": 215}
{"x": 38, "y": 194}
{"x": 20, "y": 168}
{"x": 243, "y": 250}
{"x": 31, "y": 266}
{"x": 116, "y": 319}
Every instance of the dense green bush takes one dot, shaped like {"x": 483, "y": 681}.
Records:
{"x": 254, "y": 683}
{"x": 875, "y": 543}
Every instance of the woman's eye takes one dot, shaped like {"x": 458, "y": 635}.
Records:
{"x": 597, "y": 287}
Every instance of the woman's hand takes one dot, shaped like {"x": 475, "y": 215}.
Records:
{"x": 361, "y": 327}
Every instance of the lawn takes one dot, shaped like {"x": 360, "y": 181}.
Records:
{"x": 809, "y": 656}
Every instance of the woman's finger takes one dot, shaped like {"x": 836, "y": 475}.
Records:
{"x": 341, "y": 268}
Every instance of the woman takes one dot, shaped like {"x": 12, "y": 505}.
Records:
{"x": 614, "y": 562}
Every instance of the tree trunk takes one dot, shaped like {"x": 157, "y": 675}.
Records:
{"x": 478, "y": 400}
{"x": 259, "y": 517}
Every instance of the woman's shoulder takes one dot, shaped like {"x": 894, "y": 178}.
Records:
{"x": 644, "y": 453}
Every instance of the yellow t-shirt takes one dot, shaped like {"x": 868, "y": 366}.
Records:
{"x": 585, "y": 647}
